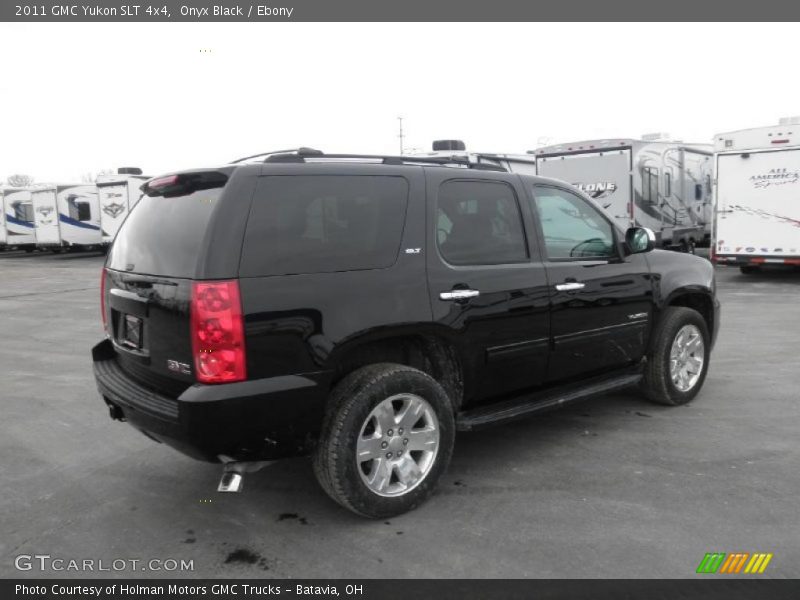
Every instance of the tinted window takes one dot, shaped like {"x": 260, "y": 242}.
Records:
{"x": 79, "y": 209}
{"x": 572, "y": 227}
{"x": 24, "y": 211}
{"x": 162, "y": 236}
{"x": 479, "y": 223}
{"x": 650, "y": 185}
{"x": 320, "y": 224}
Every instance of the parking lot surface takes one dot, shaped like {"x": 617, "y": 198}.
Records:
{"x": 614, "y": 487}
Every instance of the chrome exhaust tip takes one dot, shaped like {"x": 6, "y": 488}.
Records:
{"x": 231, "y": 482}
{"x": 232, "y": 479}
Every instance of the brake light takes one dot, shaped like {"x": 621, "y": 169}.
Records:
{"x": 103, "y": 296}
{"x": 217, "y": 331}
{"x": 162, "y": 182}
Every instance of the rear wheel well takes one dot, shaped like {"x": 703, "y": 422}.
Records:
{"x": 699, "y": 302}
{"x": 429, "y": 354}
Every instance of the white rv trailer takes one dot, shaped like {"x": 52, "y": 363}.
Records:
{"x": 118, "y": 194}
{"x": 653, "y": 182}
{"x": 757, "y": 196}
{"x": 67, "y": 215}
{"x": 19, "y": 220}
{"x": 517, "y": 163}
{"x": 3, "y": 233}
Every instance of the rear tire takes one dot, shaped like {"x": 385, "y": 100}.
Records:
{"x": 367, "y": 412}
{"x": 748, "y": 270}
{"x": 678, "y": 361}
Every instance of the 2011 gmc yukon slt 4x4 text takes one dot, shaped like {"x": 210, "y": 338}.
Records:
{"x": 364, "y": 309}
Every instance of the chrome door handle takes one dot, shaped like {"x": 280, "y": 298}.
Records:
{"x": 570, "y": 287}
{"x": 459, "y": 294}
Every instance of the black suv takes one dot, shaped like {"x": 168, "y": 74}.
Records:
{"x": 362, "y": 309}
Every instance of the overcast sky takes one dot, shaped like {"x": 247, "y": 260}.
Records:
{"x": 77, "y": 98}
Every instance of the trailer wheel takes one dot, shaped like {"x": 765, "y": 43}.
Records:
{"x": 749, "y": 269}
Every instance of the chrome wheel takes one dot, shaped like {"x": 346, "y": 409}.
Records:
{"x": 397, "y": 445}
{"x": 686, "y": 358}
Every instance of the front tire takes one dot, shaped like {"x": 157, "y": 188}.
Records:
{"x": 678, "y": 361}
{"x": 386, "y": 439}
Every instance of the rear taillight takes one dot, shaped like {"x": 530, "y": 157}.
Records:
{"x": 103, "y": 296}
{"x": 217, "y": 332}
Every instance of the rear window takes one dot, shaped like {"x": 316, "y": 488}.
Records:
{"x": 322, "y": 224}
{"x": 162, "y": 236}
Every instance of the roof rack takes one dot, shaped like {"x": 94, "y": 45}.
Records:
{"x": 302, "y": 150}
{"x": 301, "y": 155}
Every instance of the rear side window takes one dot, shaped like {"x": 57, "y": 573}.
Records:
{"x": 323, "y": 224}
{"x": 163, "y": 236}
{"x": 479, "y": 223}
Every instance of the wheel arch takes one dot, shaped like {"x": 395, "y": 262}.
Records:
{"x": 697, "y": 298}
{"x": 427, "y": 349}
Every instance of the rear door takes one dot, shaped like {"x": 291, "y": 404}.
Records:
{"x": 45, "y": 214}
{"x": 3, "y": 235}
{"x": 758, "y": 204}
{"x": 113, "y": 198}
{"x": 601, "y": 300}
{"x": 487, "y": 285}
{"x": 603, "y": 176}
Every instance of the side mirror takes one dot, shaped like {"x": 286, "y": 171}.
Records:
{"x": 640, "y": 239}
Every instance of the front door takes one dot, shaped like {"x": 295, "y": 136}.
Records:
{"x": 601, "y": 300}
{"x": 487, "y": 286}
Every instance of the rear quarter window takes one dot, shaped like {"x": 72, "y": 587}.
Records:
{"x": 324, "y": 224}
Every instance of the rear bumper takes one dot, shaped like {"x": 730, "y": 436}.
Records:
{"x": 264, "y": 419}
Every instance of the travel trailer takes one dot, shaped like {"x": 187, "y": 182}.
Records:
{"x": 19, "y": 222}
{"x": 757, "y": 196}
{"x": 118, "y": 194}
{"x": 3, "y": 234}
{"x": 654, "y": 182}
{"x": 66, "y": 216}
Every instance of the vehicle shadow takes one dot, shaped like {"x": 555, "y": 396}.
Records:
{"x": 290, "y": 486}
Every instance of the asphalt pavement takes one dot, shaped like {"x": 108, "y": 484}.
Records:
{"x": 614, "y": 487}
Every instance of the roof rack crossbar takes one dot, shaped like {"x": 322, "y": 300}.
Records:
{"x": 301, "y": 155}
